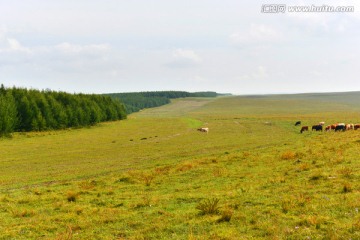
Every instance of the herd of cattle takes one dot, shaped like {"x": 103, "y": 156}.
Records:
{"x": 319, "y": 127}
{"x": 336, "y": 127}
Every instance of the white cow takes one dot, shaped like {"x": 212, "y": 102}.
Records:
{"x": 203, "y": 130}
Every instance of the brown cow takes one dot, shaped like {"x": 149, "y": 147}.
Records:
{"x": 328, "y": 128}
{"x": 304, "y": 128}
{"x": 356, "y": 126}
{"x": 333, "y": 126}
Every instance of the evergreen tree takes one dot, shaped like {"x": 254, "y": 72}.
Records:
{"x": 8, "y": 113}
{"x": 32, "y": 110}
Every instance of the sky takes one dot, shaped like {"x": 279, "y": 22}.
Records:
{"x": 227, "y": 46}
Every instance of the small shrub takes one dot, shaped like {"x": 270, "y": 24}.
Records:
{"x": 87, "y": 185}
{"x": 347, "y": 188}
{"x": 147, "y": 179}
{"x": 288, "y": 155}
{"x": 79, "y": 210}
{"x": 346, "y": 172}
{"x": 278, "y": 179}
{"x": 218, "y": 172}
{"x": 209, "y": 206}
{"x": 287, "y": 205}
{"x": 316, "y": 176}
{"x": 146, "y": 202}
{"x": 225, "y": 216}
{"x": 23, "y": 213}
{"x": 67, "y": 235}
{"x": 304, "y": 167}
{"x": 163, "y": 170}
{"x": 124, "y": 179}
{"x": 71, "y": 196}
{"x": 37, "y": 192}
{"x": 185, "y": 167}
{"x": 140, "y": 176}
{"x": 302, "y": 200}
{"x": 246, "y": 154}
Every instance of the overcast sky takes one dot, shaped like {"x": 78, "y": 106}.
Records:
{"x": 228, "y": 46}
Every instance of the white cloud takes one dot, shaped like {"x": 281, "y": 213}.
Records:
{"x": 260, "y": 73}
{"x": 257, "y": 33}
{"x": 231, "y": 46}
{"x": 320, "y": 23}
{"x": 199, "y": 79}
{"x": 182, "y": 58}
{"x": 69, "y": 48}
{"x": 8, "y": 44}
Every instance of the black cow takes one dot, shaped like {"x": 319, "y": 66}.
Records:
{"x": 317, "y": 128}
{"x": 298, "y": 123}
{"x": 339, "y": 128}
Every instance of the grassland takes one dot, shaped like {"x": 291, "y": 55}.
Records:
{"x": 153, "y": 176}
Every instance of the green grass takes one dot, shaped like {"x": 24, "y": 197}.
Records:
{"x": 146, "y": 177}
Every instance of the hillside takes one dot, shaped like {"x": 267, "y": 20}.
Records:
{"x": 154, "y": 176}
{"x": 136, "y": 101}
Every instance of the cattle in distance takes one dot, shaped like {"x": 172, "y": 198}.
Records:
{"x": 203, "y": 130}
{"x": 304, "y": 128}
{"x": 340, "y": 128}
{"x": 349, "y": 126}
{"x": 317, "y": 128}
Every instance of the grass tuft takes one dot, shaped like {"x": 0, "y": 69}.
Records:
{"x": 226, "y": 216}
{"x": 68, "y": 235}
{"x": 72, "y": 196}
{"x": 209, "y": 206}
{"x": 147, "y": 178}
{"x": 347, "y": 188}
{"x": 346, "y": 172}
{"x": 316, "y": 176}
{"x": 22, "y": 213}
{"x": 288, "y": 155}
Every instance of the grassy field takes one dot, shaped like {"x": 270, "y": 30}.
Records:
{"x": 153, "y": 176}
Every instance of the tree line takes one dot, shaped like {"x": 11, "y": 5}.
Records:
{"x": 22, "y": 110}
{"x": 135, "y": 101}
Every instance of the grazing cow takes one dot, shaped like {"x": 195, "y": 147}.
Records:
{"x": 317, "y": 128}
{"x": 333, "y": 126}
{"x": 349, "y": 126}
{"x": 304, "y": 128}
{"x": 321, "y": 123}
{"x": 203, "y": 130}
{"x": 298, "y": 123}
{"x": 356, "y": 126}
{"x": 340, "y": 128}
{"x": 328, "y": 128}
